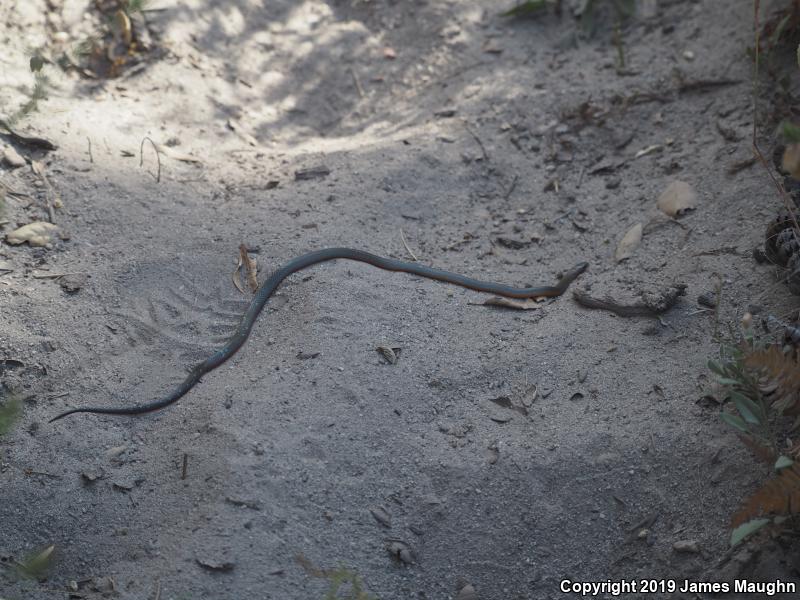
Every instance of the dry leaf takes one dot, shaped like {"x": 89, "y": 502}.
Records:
{"x": 678, "y": 198}
{"x": 250, "y": 267}
{"x": 38, "y": 233}
{"x": 235, "y": 278}
{"x": 72, "y": 282}
{"x": 176, "y": 154}
{"x": 215, "y": 565}
{"x": 236, "y": 127}
{"x": 467, "y": 593}
{"x": 527, "y": 304}
{"x": 648, "y": 150}
{"x": 778, "y": 496}
{"x": 381, "y": 516}
{"x": 791, "y": 160}
{"x": 121, "y": 28}
{"x": 390, "y": 353}
{"x": 628, "y": 244}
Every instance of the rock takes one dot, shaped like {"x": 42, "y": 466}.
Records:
{"x": 13, "y": 158}
{"x": 686, "y": 546}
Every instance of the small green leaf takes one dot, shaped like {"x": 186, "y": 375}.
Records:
{"x": 36, "y": 63}
{"x": 778, "y": 33}
{"x": 726, "y": 381}
{"x": 9, "y": 413}
{"x": 791, "y": 132}
{"x": 735, "y": 421}
{"x": 716, "y": 368}
{"x": 526, "y": 9}
{"x": 741, "y": 532}
{"x": 37, "y": 565}
{"x": 746, "y": 407}
{"x": 625, "y": 7}
{"x": 783, "y": 462}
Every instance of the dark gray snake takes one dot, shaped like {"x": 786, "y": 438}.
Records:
{"x": 301, "y": 262}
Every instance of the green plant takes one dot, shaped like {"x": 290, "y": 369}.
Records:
{"x": 36, "y": 565}
{"x": 753, "y": 417}
{"x": 134, "y": 6}
{"x": 38, "y": 93}
{"x": 340, "y": 581}
{"x": 9, "y": 412}
{"x": 762, "y": 382}
{"x": 586, "y": 11}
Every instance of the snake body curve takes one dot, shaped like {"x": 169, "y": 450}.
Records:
{"x": 304, "y": 261}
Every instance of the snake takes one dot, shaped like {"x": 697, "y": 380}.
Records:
{"x": 267, "y": 289}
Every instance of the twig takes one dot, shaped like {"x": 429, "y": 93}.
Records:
{"x": 185, "y": 466}
{"x": 89, "y": 140}
{"x": 359, "y": 89}
{"x": 403, "y": 237}
{"x": 158, "y": 156}
{"x": 38, "y": 169}
{"x": 512, "y": 187}
{"x": 653, "y": 305}
{"x": 158, "y": 590}
{"x": 477, "y": 139}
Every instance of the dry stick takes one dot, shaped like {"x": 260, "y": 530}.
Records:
{"x": 158, "y": 590}
{"x": 91, "y": 158}
{"x": 512, "y": 187}
{"x": 50, "y": 192}
{"x": 477, "y": 139}
{"x": 359, "y": 89}
{"x": 185, "y": 466}
{"x": 158, "y": 156}
{"x": 403, "y": 237}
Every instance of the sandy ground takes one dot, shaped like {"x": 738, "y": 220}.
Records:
{"x": 450, "y": 127}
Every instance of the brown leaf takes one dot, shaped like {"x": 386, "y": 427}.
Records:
{"x": 251, "y": 267}
{"x": 505, "y": 402}
{"x": 783, "y": 373}
{"x": 779, "y": 496}
{"x": 763, "y": 453}
{"x": 791, "y": 160}
{"x": 381, "y": 516}
{"x": 176, "y": 154}
{"x": 390, "y": 354}
{"x": 677, "y": 198}
{"x": 629, "y": 242}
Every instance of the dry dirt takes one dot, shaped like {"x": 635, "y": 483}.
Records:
{"x": 445, "y": 125}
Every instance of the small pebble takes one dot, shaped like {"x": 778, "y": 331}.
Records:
{"x": 707, "y": 299}
{"x": 686, "y": 546}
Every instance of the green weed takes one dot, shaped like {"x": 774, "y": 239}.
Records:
{"x": 341, "y": 581}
